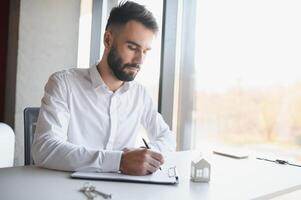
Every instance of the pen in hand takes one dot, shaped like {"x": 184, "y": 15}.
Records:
{"x": 146, "y": 145}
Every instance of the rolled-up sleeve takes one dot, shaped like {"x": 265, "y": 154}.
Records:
{"x": 51, "y": 148}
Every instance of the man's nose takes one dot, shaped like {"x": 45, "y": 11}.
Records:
{"x": 139, "y": 57}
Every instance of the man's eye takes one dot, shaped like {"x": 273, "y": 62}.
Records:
{"x": 132, "y": 47}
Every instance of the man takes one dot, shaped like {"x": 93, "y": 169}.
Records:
{"x": 89, "y": 118}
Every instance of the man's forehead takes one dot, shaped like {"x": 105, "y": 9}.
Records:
{"x": 136, "y": 33}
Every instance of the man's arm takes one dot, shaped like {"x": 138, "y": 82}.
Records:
{"x": 51, "y": 149}
{"x": 161, "y": 137}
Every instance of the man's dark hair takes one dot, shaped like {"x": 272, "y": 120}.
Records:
{"x": 129, "y": 10}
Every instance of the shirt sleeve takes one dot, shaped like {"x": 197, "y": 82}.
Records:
{"x": 51, "y": 148}
{"x": 161, "y": 138}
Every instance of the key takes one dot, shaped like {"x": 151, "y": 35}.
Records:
{"x": 104, "y": 195}
{"x": 88, "y": 193}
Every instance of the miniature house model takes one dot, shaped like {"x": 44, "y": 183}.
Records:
{"x": 200, "y": 171}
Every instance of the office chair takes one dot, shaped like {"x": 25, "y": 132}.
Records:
{"x": 7, "y": 146}
{"x": 30, "y": 120}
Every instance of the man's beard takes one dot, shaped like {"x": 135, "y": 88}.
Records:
{"x": 116, "y": 65}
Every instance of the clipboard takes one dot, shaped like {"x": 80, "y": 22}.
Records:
{"x": 166, "y": 176}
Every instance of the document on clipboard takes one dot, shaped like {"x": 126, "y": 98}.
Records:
{"x": 167, "y": 176}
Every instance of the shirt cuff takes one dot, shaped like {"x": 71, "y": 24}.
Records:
{"x": 111, "y": 161}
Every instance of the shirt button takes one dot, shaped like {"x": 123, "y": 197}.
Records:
{"x": 110, "y": 145}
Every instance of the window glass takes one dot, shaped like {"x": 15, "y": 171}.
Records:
{"x": 84, "y": 34}
{"x": 248, "y": 75}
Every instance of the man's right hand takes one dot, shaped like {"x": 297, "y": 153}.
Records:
{"x": 140, "y": 161}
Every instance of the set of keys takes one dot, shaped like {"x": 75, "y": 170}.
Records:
{"x": 91, "y": 192}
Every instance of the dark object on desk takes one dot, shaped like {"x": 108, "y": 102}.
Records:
{"x": 30, "y": 120}
{"x": 231, "y": 155}
{"x": 282, "y": 162}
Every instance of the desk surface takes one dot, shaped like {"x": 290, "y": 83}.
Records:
{"x": 230, "y": 179}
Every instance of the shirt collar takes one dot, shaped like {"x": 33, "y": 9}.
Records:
{"x": 98, "y": 82}
{"x": 95, "y": 77}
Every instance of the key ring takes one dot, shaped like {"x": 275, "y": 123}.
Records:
{"x": 90, "y": 191}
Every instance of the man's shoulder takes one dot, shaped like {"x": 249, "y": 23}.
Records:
{"x": 70, "y": 74}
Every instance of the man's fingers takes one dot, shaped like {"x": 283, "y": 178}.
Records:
{"x": 154, "y": 159}
{"x": 157, "y": 156}
{"x": 125, "y": 149}
{"x": 154, "y": 162}
{"x": 150, "y": 168}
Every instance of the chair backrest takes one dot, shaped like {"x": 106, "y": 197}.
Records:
{"x": 7, "y": 146}
{"x": 30, "y": 121}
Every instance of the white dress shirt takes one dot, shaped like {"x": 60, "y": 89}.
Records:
{"x": 83, "y": 125}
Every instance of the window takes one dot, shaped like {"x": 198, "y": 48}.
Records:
{"x": 84, "y": 34}
{"x": 248, "y": 75}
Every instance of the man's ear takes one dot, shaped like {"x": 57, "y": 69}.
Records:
{"x": 108, "y": 39}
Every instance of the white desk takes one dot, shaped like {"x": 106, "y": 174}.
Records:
{"x": 231, "y": 179}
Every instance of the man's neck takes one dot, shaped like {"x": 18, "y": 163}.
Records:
{"x": 108, "y": 77}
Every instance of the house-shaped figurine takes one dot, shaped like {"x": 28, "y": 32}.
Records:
{"x": 200, "y": 170}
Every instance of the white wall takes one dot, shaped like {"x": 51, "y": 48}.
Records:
{"x": 48, "y": 40}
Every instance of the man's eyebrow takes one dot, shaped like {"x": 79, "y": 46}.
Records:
{"x": 136, "y": 44}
